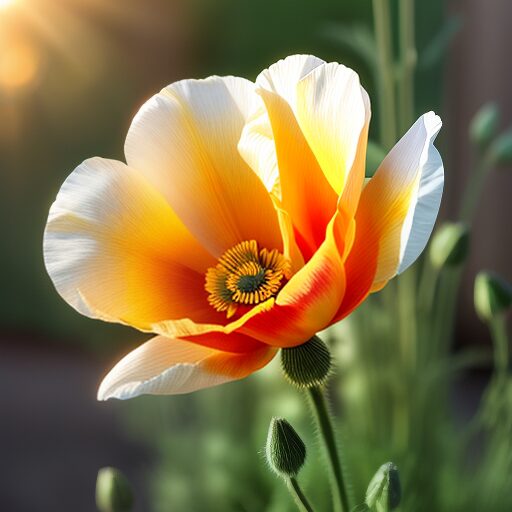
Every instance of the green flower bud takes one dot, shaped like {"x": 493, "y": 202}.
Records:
{"x": 285, "y": 450}
{"x": 113, "y": 492}
{"x": 450, "y": 245}
{"x": 484, "y": 125}
{"x": 501, "y": 150}
{"x": 307, "y": 365}
{"x": 384, "y": 492}
{"x": 492, "y": 295}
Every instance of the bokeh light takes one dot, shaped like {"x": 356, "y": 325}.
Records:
{"x": 19, "y": 63}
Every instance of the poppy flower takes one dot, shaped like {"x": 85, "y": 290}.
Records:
{"x": 240, "y": 223}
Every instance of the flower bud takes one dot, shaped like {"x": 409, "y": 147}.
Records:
{"x": 484, "y": 125}
{"x": 113, "y": 492}
{"x": 384, "y": 492}
{"x": 450, "y": 245}
{"x": 307, "y": 365}
{"x": 285, "y": 450}
{"x": 501, "y": 150}
{"x": 492, "y": 295}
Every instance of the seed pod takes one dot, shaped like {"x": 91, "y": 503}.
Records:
{"x": 307, "y": 365}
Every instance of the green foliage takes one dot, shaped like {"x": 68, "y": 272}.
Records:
{"x": 374, "y": 156}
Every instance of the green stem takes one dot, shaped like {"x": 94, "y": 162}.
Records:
{"x": 408, "y": 63}
{"x": 299, "y": 497}
{"x": 385, "y": 78}
{"x": 501, "y": 350}
{"x": 341, "y": 501}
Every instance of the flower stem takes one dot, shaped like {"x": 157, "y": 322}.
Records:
{"x": 299, "y": 497}
{"x": 385, "y": 78}
{"x": 338, "y": 482}
{"x": 501, "y": 350}
{"x": 407, "y": 64}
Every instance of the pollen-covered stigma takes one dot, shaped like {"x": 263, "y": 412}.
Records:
{"x": 245, "y": 275}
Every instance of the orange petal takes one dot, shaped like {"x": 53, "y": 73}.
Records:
{"x": 396, "y": 213}
{"x": 164, "y": 366}
{"x": 305, "y": 192}
{"x": 307, "y": 303}
{"x": 115, "y": 250}
{"x": 185, "y": 141}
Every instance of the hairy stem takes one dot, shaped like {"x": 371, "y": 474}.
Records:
{"x": 338, "y": 481}
{"x": 299, "y": 497}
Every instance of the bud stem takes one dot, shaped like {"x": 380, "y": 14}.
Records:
{"x": 338, "y": 484}
{"x": 299, "y": 497}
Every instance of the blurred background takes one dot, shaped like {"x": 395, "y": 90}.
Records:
{"x": 72, "y": 74}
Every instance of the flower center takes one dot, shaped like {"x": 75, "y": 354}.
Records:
{"x": 245, "y": 275}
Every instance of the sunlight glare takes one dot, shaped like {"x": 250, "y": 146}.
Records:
{"x": 6, "y": 3}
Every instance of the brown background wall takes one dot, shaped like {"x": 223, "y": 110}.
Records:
{"x": 480, "y": 70}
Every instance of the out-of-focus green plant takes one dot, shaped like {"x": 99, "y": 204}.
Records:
{"x": 113, "y": 492}
{"x": 384, "y": 492}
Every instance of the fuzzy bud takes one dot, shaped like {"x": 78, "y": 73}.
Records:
{"x": 384, "y": 492}
{"x": 492, "y": 295}
{"x": 484, "y": 125}
{"x": 285, "y": 450}
{"x": 307, "y": 365}
{"x": 450, "y": 245}
{"x": 113, "y": 492}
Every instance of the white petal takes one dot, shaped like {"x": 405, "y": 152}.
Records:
{"x": 425, "y": 205}
{"x": 283, "y": 76}
{"x": 185, "y": 141}
{"x": 115, "y": 250}
{"x": 257, "y": 145}
{"x": 164, "y": 366}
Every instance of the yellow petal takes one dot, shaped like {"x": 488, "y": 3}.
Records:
{"x": 185, "y": 141}
{"x": 333, "y": 113}
{"x": 164, "y": 366}
{"x": 115, "y": 250}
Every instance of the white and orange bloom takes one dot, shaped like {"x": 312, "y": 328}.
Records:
{"x": 241, "y": 222}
